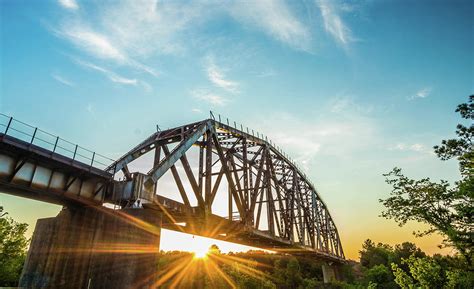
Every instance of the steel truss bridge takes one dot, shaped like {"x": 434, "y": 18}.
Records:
{"x": 270, "y": 202}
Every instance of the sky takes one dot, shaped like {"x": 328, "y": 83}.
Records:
{"x": 349, "y": 89}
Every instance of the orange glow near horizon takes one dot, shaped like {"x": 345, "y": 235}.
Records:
{"x": 177, "y": 241}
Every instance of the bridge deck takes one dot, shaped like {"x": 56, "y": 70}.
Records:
{"x": 30, "y": 171}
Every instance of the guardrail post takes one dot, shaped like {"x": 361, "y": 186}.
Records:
{"x": 8, "y": 125}
{"x": 92, "y": 162}
{"x": 55, "y": 144}
{"x": 75, "y": 151}
{"x": 34, "y": 134}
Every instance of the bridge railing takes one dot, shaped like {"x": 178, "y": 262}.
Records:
{"x": 35, "y": 136}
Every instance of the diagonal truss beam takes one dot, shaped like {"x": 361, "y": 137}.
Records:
{"x": 157, "y": 171}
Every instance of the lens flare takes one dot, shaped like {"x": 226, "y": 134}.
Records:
{"x": 200, "y": 253}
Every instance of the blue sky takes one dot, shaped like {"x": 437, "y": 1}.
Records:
{"x": 349, "y": 89}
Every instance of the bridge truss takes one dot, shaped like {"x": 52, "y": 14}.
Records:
{"x": 269, "y": 200}
{"x": 258, "y": 177}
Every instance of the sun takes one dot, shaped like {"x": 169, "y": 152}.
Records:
{"x": 200, "y": 253}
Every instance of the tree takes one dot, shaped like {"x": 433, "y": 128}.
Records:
{"x": 404, "y": 251}
{"x": 381, "y": 276}
{"x": 214, "y": 249}
{"x": 293, "y": 274}
{"x": 446, "y": 210}
{"x": 402, "y": 278}
{"x": 13, "y": 245}
{"x": 372, "y": 255}
{"x": 425, "y": 271}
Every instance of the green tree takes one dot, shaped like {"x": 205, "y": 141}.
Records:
{"x": 459, "y": 279}
{"x": 372, "y": 255}
{"x": 381, "y": 276}
{"x": 404, "y": 251}
{"x": 13, "y": 245}
{"x": 446, "y": 210}
{"x": 425, "y": 272}
{"x": 402, "y": 278}
{"x": 293, "y": 274}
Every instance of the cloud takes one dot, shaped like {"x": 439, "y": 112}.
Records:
{"x": 266, "y": 73}
{"x": 94, "y": 43}
{"x": 333, "y": 22}
{"x": 336, "y": 138}
{"x": 196, "y": 110}
{"x": 416, "y": 147}
{"x": 69, "y": 4}
{"x": 112, "y": 76}
{"x": 422, "y": 93}
{"x": 275, "y": 18}
{"x": 207, "y": 96}
{"x": 62, "y": 80}
{"x": 218, "y": 78}
{"x": 347, "y": 104}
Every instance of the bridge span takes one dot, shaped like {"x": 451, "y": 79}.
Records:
{"x": 270, "y": 203}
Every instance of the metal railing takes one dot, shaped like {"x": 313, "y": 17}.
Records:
{"x": 35, "y": 136}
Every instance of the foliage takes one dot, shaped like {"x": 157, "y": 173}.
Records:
{"x": 448, "y": 211}
{"x": 433, "y": 272}
{"x": 425, "y": 271}
{"x": 402, "y": 278}
{"x": 410, "y": 268}
{"x": 372, "y": 255}
{"x": 381, "y": 276}
{"x": 13, "y": 245}
{"x": 459, "y": 279}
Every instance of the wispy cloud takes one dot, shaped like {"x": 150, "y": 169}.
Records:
{"x": 415, "y": 147}
{"x": 333, "y": 22}
{"x": 347, "y": 104}
{"x": 210, "y": 97}
{"x": 94, "y": 43}
{"x": 99, "y": 45}
{"x": 275, "y": 18}
{"x": 266, "y": 73}
{"x": 112, "y": 76}
{"x": 69, "y": 4}
{"x": 333, "y": 138}
{"x": 196, "y": 110}
{"x": 422, "y": 93}
{"x": 218, "y": 78}
{"x": 62, "y": 80}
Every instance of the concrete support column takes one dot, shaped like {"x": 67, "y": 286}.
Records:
{"x": 94, "y": 248}
{"x": 331, "y": 272}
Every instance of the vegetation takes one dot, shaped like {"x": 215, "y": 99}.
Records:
{"x": 13, "y": 245}
{"x": 446, "y": 210}
{"x": 381, "y": 266}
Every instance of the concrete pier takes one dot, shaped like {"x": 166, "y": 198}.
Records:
{"x": 94, "y": 248}
{"x": 331, "y": 272}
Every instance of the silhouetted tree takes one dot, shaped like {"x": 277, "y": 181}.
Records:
{"x": 214, "y": 249}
